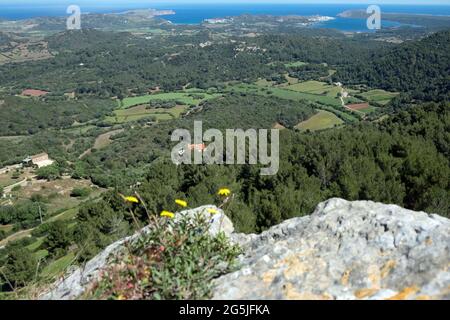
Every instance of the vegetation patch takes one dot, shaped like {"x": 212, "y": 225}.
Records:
{"x": 173, "y": 261}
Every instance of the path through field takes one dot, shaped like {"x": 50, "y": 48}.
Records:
{"x": 101, "y": 141}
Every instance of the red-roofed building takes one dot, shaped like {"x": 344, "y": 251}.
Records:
{"x": 34, "y": 93}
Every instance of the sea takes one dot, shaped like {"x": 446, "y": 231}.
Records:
{"x": 197, "y": 12}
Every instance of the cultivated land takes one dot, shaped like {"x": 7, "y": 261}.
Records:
{"x": 380, "y": 96}
{"x": 322, "y": 120}
{"x": 143, "y": 111}
{"x": 187, "y": 98}
{"x": 316, "y": 87}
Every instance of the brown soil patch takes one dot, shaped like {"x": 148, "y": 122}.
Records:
{"x": 358, "y": 106}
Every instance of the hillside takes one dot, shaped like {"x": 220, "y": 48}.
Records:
{"x": 344, "y": 250}
{"x": 420, "y": 68}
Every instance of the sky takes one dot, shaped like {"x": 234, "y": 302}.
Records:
{"x": 379, "y": 2}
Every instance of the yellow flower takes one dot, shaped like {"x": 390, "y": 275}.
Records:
{"x": 121, "y": 297}
{"x": 213, "y": 211}
{"x": 181, "y": 203}
{"x": 224, "y": 192}
{"x": 167, "y": 214}
{"x": 130, "y": 199}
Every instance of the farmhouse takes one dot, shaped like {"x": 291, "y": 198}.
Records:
{"x": 34, "y": 93}
{"x": 40, "y": 160}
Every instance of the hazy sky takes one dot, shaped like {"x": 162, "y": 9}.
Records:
{"x": 149, "y": 2}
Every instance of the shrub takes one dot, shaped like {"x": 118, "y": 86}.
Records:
{"x": 80, "y": 192}
{"x": 52, "y": 172}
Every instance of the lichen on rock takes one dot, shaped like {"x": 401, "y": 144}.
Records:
{"x": 345, "y": 250}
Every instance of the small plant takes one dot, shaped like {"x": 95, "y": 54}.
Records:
{"x": 177, "y": 260}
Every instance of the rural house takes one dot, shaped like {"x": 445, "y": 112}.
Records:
{"x": 40, "y": 160}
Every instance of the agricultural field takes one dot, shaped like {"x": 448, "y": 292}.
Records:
{"x": 285, "y": 94}
{"x": 322, "y": 120}
{"x": 190, "y": 97}
{"x": 141, "y": 112}
{"x": 379, "y": 96}
{"x": 352, "y": 100}
{"x": 363, "y": 107}
{"x": 316, "y": 87}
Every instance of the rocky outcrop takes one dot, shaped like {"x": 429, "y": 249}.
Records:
{"x": 345, "y": 250}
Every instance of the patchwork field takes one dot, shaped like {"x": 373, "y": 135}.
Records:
{"x": 380, "y": 96}
{"x": 284, "y": 93}
{"x": 187, "y": 98}
{"x": 322, "y": 120}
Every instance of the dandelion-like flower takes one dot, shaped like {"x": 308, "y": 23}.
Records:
{"x": 224, "y": 192}
{"x": 130, "y": 199}
{"x": 181, "y": 203}
{"x": 167, "y": 214}
{"x": 213, "y": 211}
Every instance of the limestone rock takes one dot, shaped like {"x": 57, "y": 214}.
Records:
{"x": 345, "y": 250}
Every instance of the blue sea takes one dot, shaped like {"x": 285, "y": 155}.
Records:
{"x": 196, "y": 13}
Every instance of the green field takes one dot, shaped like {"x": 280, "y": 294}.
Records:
{"x": 322, "y": 120}
{"x": 287, "y": 94}
{"x": 379, "y": 96}
{"x": 141, "y": 112}
{"x": 187, "y": 98}
{"x": 315, "y": 87}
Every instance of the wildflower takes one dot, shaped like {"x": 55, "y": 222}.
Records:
{"x": 224, "y": 192}
{"x": 213, "y": 211}
{"x": 121, "y": 297}
{"x": 130, "y": 199}
{"x": 181, "y": 203}
{"x": 167, "y": 214}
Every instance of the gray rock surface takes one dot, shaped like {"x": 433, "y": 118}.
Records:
{"x": 79, "y": 279}
{"x": 345, "y": 250}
